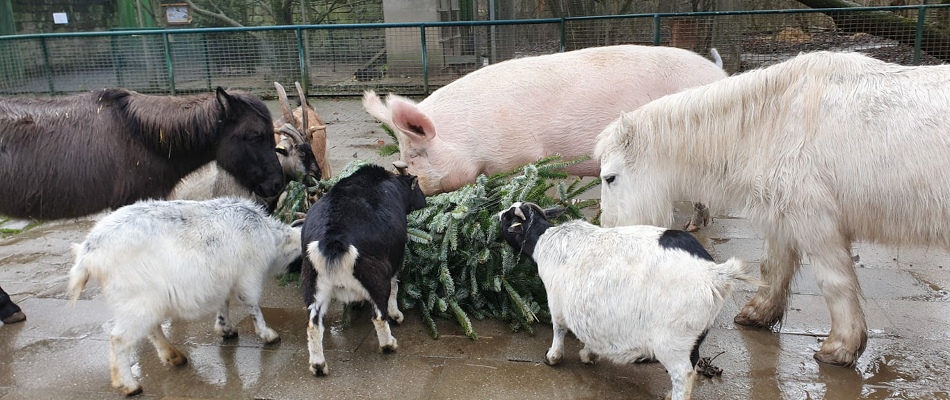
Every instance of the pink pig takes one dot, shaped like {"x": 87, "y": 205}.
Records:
{"x": 513, "y": 113}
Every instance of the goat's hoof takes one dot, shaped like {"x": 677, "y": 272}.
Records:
{"x": 389, "y": 348}
{"x": 131, "y": 391}
{"x": 178, "y": 360}
{"x": 18, "y": 316}
{"x": 397, "y": 317}
{"x": 588, "y": 357}
{"x": 319, "y": 369}
{"x": 552, "y": 360}
{"x": 270, "y": 337}
{"x": 228, "y": 334}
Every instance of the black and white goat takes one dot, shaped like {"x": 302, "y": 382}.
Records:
{"x": 626, "y": 293}
{"x": 158, "y": 260}
{"x": 354, "y": 240}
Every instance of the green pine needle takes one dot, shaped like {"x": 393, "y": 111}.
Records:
{"x": 456, "y": 264}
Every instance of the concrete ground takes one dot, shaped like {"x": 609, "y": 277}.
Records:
{"x": 61, "y": 352}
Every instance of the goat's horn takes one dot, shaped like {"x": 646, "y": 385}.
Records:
{"x": 520, "y": 213}
{"x": 401, "y": 166}
{"x": 285, "y": 109}
{"x": 304, "y": 107}
{"x": 292, "y": 131}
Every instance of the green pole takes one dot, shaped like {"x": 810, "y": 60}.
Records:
{"x": 656, "y": 29}
{"x": 116, "y": 61}
{"x": 563, "y": 26}
{"x": 10, "y": 65}
{"x": 6, "y": 18}
{"x": 425, "y": 62}
{"x": 131, "y": 11}
{"x": 168, "y": 63}
{"x": 49, "y": 68}
{"x": 126, "y": 13}
{"x": 204, "y": 42}
{"x": 921, "y": 16}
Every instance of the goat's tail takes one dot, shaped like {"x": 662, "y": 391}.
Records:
{"x": 735, "y": 270}
{"x": 78, "y": 274}
{"x": 335, "y": 254}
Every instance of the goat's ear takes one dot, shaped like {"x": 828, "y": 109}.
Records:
{"x": 553, "y": 212}
{"x": 516, "y": 228}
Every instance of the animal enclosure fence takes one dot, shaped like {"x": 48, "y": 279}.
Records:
{"x": 416, "y": 58}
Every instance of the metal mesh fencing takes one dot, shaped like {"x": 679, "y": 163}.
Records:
{"x": 418, "y": 58}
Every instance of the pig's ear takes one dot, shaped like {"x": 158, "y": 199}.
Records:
{"x": 374, "y": 106}
{"x": 408, "y": 118}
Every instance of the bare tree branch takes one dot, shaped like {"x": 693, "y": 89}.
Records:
{"x": 218, "y": 16}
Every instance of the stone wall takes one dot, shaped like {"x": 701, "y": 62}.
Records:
{"x": 36, "y": 16}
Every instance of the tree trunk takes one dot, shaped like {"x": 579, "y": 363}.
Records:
{"x": 887, "y": 25}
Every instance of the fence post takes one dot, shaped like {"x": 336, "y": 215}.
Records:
{"x": 204, "y": 43}
{"x": 116, "y": 61}
{"x": 49, "y": 68}
{"x": 425, "y": 61}
{"x": 302, "y": 57}
{"x": 168, "y": 63}
{"x": 563, "y": 25}
{"x": 918, "y": 39}
{"x": 656, "y": 29}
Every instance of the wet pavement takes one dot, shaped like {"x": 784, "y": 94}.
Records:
{"x": 61, "y": 352}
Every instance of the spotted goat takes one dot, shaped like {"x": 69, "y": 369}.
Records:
{"x": 627, "y": 293}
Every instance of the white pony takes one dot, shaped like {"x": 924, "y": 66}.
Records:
{"x": 818, "y": 151}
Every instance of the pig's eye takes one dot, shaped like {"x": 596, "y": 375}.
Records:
{"x": 413, "y": 153}
{"x": 609, "y": 178}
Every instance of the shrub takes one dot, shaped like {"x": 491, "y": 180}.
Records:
{"x": 456, "y": 265}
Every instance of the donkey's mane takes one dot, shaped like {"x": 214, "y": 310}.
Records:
{"x": 169, "y": 124}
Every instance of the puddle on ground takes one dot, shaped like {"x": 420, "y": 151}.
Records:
{"x": 936, "y": 293}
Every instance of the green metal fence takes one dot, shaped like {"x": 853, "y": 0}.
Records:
{"x": 416, "y": 58}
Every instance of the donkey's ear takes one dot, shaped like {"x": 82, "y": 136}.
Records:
{"x": 224, "y": 99}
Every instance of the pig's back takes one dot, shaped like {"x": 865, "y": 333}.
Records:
{"x": 559, "y": 103}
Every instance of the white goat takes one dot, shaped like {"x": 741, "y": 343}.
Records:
{"x": 157, "y": 260}
{"x": 626, "y": 293}
{"x": 817, "y": 152}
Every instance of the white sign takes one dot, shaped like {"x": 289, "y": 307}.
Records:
{"x": 60, "y": 18}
